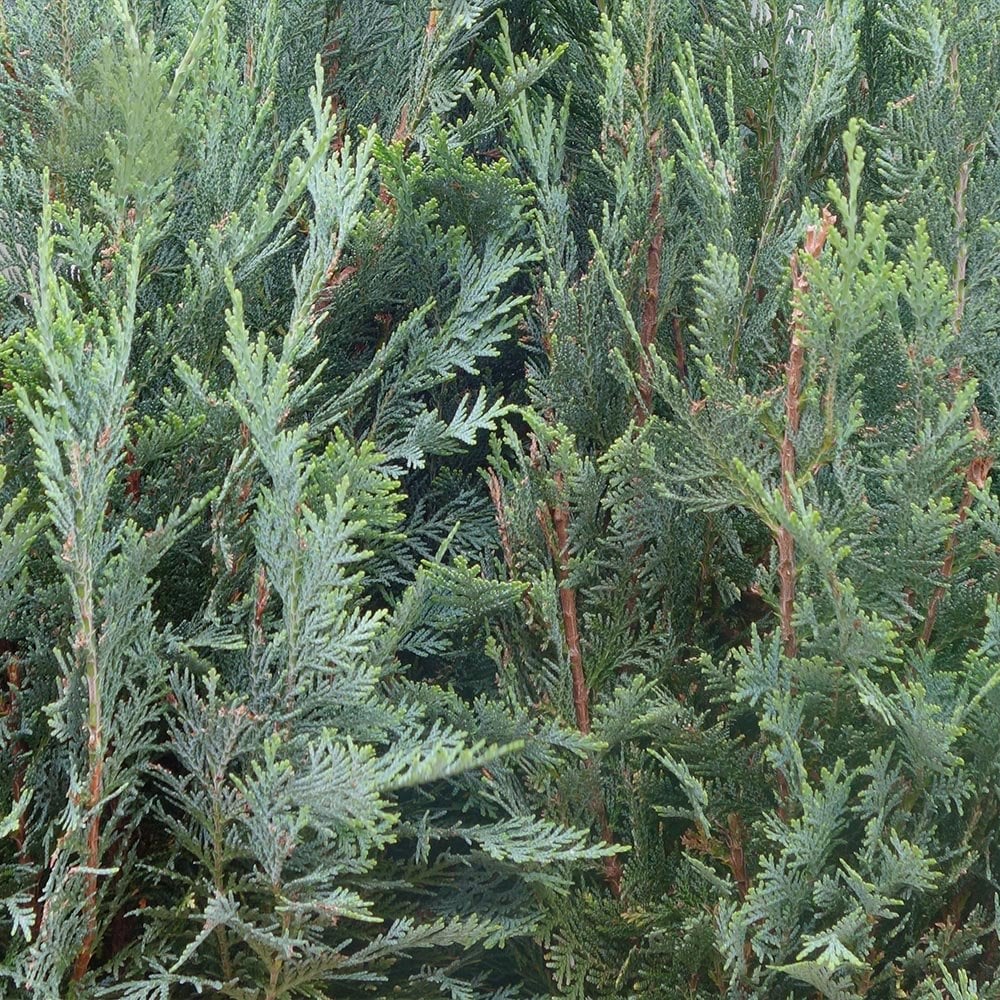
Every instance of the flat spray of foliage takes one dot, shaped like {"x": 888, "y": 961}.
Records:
{"x": 496, "y": 501}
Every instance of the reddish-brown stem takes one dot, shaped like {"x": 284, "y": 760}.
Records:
{"x": 649, "y": 323}
{"x": 503, "y": 526}
{"x": 95, "y": 754}
{"x": 567, "y": 604}
{"x": 334, "y": 276}
{"x": 17, "y": 751}
{"x": 977, "y": 471}
{"x": 96, "y": 791}
{"x": 735, "y": 839}
{"x": 947, "y": 568}
{"x": 980, "y": 466}
{"x": 557, "y": 540}
{"x": 404, "y": 128}
{"x": 698, "y": 840}
{"x": 650, "y": 309}
{"x": 815, "y": 238}
{"x": 133, "y": 479}
{"x": 958, "y": 203}
{"x": 86, "y": 646}
{"x": 679, "y": 353}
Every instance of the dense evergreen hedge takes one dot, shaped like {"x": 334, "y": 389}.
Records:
{"x": 496, "y": 501}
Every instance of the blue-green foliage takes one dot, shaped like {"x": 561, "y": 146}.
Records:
{"x": 248, "y": 320}
{"x": 799, "y": 769}
{"x": 496, "y": 501}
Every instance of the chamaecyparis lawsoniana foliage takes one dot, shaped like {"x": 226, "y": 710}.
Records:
{"x": 250, "y": 364}
{"x": 686, "y": 685}
{"x": 750, "y": 497}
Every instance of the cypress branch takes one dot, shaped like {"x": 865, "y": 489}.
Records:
{"x": 814, "y": 241}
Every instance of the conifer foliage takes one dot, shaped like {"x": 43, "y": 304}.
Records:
{"x": 496, "y": 501}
